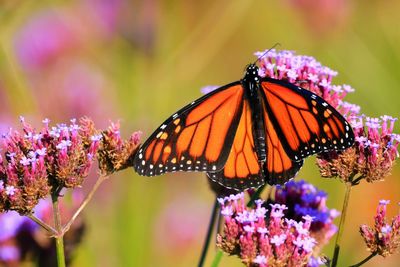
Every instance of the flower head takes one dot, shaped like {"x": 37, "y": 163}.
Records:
{"x": 384, "y": 237}
{"x": 115, "y": 153}
{"x": 305, "y": 202}
{"x": 260, "y": 238}
{"x": 372, "y": 156}
{"x": 37, "y": 162}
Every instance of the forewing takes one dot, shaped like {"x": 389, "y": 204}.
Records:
{"x": 196, "y": 138}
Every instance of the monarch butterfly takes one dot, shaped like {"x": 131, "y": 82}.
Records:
{"x": 246, "y": 133}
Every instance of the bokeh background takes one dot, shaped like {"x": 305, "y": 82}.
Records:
{"x": 139, "y": 61}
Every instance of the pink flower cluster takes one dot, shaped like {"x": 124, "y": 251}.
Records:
{"x": 373, "y": 155}
{"x": 384, "y": 238}
{"x": 264, "y": 238}
{"x": 307, "y": 72}
{"x": 39, "y": 163}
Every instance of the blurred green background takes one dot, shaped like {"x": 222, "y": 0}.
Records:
{"x": 139, "y": 61}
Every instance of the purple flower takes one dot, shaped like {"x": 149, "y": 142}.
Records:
{"x": 115, "y": 154}
{"x": 372, "y": 156}
{"x": 57, "y": 156}
{"x": 304, "y": 201}
{"x": 264, "y": 240}
{"x": 384, "y": 237}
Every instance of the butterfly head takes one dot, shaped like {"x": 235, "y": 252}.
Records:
{"x": 251, "y": 73}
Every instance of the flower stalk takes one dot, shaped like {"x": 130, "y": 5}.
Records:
{"x": 365, "y": 260}
{"x": 59, "y": 238}
{"x": 211, "y": 226}
{"x": 87, "y": 199}
{"x": 341, "y": 224}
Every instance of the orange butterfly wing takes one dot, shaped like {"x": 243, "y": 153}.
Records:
{"x": 196, "y": 138}
{"x": 279, "y": 167}
{"x": 242, "y": 169}
{"x": 298, "y": 124}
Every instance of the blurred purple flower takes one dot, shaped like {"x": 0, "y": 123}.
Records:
{"x": 372, "y": 156}
{"x": 384, "y": 238}
{"x": 43, "y": 38}
{"x": 176, "y": 228}
{"x": 322, "y": 17}
{"x": 51, "y": 33}
{"x": 260, "y": 238}
{"x": 22, "y": 239}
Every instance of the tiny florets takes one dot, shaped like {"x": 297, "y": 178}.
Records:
{"x": 260, "y": 238}
{"x": 37, "y": 163}
{"x": 371, "y": 158}
{"x": 303, "y": 201}
{"x": 384, "y": 237}
{"x": 116, "y": 154}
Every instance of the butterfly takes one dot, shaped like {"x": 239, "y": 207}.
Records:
{"x": 245, "y": 134}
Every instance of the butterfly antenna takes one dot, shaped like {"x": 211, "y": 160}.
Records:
{"x": 266, "y": 52}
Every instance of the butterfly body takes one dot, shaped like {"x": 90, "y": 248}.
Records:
{"x": 244, "y": 134}
{"x": 251, "y": 85}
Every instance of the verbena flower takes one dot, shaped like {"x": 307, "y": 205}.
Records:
{"x": 302, "y": 199}
{"x": 384, "y": 237}
{"x": 262, "y": 238}
{"x": 115, "y": 153}
{"x": 372, "y": 156}
{"x": 21, "y": 239}
{"x": 307, "y": 72}
{"x": 37, "y": 163}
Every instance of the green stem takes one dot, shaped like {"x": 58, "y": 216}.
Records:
{"x": 365, "y": 260}
{"x": 44, "y": 225}
{"x": 341, "y": 224}
{"x": 217, "y": 259}
{"x": 58, "y": 227}
{"x": 209, "y": 233}
{"x": 256, "y": 195}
